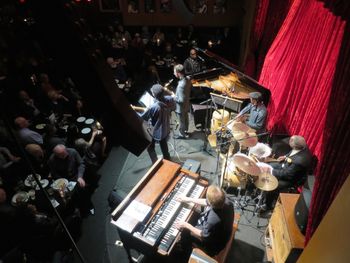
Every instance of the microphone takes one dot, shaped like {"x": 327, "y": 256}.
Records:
{"x": 201, "y": 59}
{"x": 199, "y": 49}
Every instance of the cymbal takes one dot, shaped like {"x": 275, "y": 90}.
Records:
{"x": 246, "y": 164}
{"x": 242, "y": 133}
{"x": 266, "y": 182}
{"x": 247, "y": 139}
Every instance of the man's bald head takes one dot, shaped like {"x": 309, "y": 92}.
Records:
{"x": 60, "y": 151}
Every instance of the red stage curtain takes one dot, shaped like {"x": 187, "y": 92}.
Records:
{"x": 299, "y": 69}
{"x": 335, "y": 166}
{"x": 309, "y": 93}
{"x": 269, "y": 16}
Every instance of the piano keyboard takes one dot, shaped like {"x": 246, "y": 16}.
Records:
{"x": 167, "y": 211}
{"x": 170, "y": 236}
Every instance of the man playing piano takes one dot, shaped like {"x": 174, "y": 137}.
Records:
{"x": 192, "y": 64}
{"x": 214, "y": 225}
{"x": 159, "y": 114}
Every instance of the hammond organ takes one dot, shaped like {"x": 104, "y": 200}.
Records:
{"x": 147, "y": 216}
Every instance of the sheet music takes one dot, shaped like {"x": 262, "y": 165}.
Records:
{"x": 146, "y": 99}
{"x": 135, "y": 212}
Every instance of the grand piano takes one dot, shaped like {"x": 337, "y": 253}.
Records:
{"x": 146, "y": 218}
{"x": 222, "y": 78}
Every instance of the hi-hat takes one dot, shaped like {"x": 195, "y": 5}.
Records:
{"x": 246, "y": 164}
{"x": 266, "y": 182}
{"x": 243, "y": 134}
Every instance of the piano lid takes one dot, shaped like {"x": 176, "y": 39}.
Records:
{"x": 217, "y": 66}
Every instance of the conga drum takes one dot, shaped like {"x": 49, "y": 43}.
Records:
{"x": 219, "y": 119}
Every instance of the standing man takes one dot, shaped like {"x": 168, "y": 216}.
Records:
{"x": 257, "y": 113}
{"x": 182, "y": 99}
{"x": 192, "y": 64}
{"x": 159, "y": 114}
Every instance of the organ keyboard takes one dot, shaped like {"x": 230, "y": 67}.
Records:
{"x": 147, "y": 216}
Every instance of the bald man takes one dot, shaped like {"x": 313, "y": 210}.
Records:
{"x": 293, "y": 167}
{"x": 67, "y": 163}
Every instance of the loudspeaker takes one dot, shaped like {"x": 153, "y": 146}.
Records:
{"x": 301, "y": 210}
{"x": 199, "y": 114}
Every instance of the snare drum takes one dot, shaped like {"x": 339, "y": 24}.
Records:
{"x": 219, "y": 119}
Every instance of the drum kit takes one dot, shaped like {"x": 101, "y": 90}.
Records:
{"x": 240, "y": 170}
{"x": 223, "y": 130}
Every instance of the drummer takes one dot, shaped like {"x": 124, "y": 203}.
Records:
{"x": 257, "y": 113}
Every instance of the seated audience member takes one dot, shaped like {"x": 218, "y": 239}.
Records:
{"x": 45, "y": 83}
{"x": 214, "y": 225}
{"x": 93, "y": 149}
{"x": 67, "y": 163}
{"x": 25, "y": 134}
{"x": 51, "y": 139}
{"x": 257, "y": 113}
{"x": 27, "y": 106}
{"x": 37, "y": 158}
{"x": 58, "y": 103}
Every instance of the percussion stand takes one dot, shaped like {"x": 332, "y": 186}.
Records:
{"x": 205, "y": 145}
{"x": 258, "y": 206}
{"x": 173, "y": 145}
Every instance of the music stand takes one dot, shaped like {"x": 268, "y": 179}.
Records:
{"x": 146, "y": 99}
{"x": 227, "y": 102}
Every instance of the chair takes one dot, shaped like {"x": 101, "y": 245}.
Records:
{"x": 222, "y": 255}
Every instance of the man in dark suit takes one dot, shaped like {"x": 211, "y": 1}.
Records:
{"x": 182, "y": 99}
{"x": 292, "y": 168}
